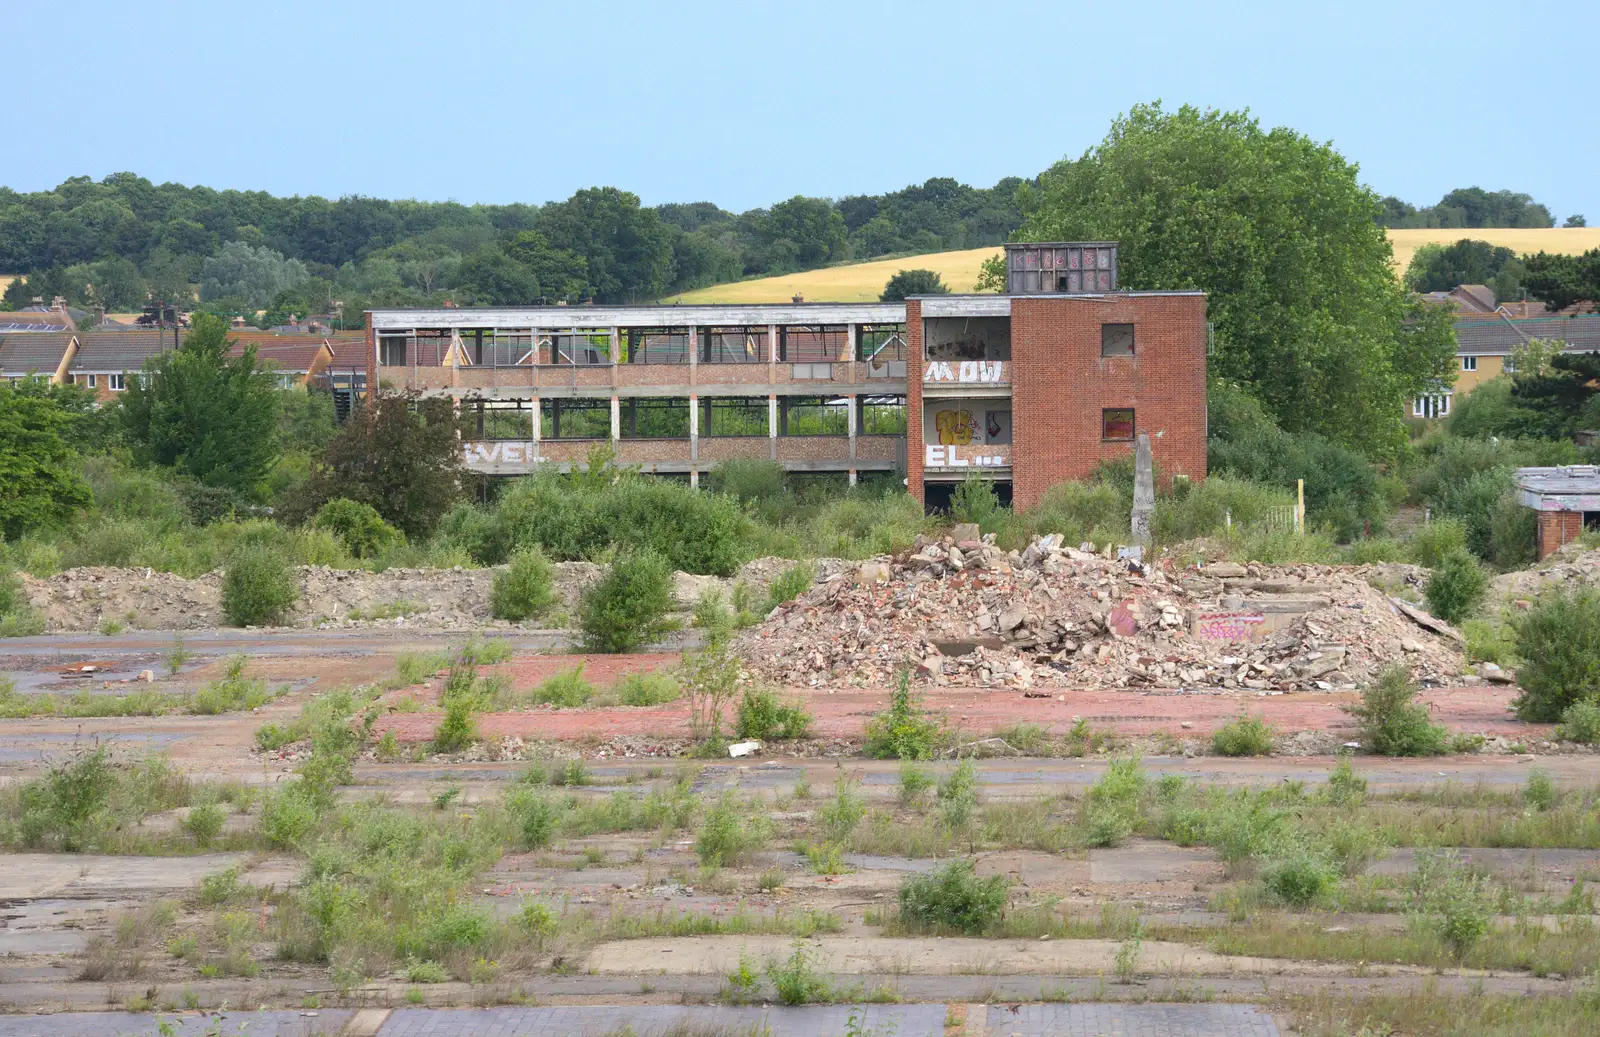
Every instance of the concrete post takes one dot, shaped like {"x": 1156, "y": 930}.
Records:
{"x": 854, "y": 399}
{"x": 694, "y": 355}
{"x": 694, "y": 429}
{"x": 616, "y": 420}
{"x": 1144, "y": 490}
{"x": 772, "y": 423}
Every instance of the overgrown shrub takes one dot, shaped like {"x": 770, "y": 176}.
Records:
{"x": 1456, "y": 588}
{"x": 524, "y": 588}
{"x": 1393, "y": 723}
{"x": 1580, "y": 722}
{"x": 1436, "y": 541}
{"x": 1299, "y": 879}
{"x": 764, "y": 715}
{"x": 257, "y": 587}
{"x": 904, "y": 731}
{"x": 729, "y": 834}
{"x": 628, "y": 606}
{"x": 952, "y": 897}
{"x": 1558, "y": 641}
{"x": 958, "y": 794}
{"x": 1114, "y": 804}
{"x": 1243, "y": 736}
{"x": 204, "y": 823}
{"x": 790, "y": 584}
{"x": 458, "y": 729}
{"x": 647, "y": 689}
{"x": 974, "y": 500}
{"x": 749, "y": 481}
{"x": 358, "y": 526}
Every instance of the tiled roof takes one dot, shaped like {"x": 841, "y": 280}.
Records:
{"x": 33, "y": 352}
{"x": 293, "y": 355}
{"x": 1479, "y": 295}
{"x": 117, "y": 351}
{"x": 1499, "y": 337}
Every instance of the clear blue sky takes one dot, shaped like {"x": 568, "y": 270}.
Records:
{"x": 747, "y": 103}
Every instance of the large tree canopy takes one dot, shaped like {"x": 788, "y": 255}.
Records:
{"x": 209, "y": 415}
{"x": 1563, "y": 280}
{"x": 1278, "y": 231}
{"x": 40, "y": 482}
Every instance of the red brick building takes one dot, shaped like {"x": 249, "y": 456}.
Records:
{"x": 1029, "y": 388}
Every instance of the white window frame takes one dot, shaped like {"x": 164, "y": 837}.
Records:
{"x": 1436, "y": 403}
{"x": 115, "y": 382}
{"x": 93, "y": 381}
{"x": 1469, "y": 363}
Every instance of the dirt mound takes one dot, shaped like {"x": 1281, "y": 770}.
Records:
{"x": 437, "y": 599}
{"x": 1572, "y": 566}
{"x": 970, "y": 614}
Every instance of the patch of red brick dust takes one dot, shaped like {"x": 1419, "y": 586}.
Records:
{"x": 844, "y": 714}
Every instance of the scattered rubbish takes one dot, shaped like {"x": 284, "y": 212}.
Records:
{"x": 738, "y": 749}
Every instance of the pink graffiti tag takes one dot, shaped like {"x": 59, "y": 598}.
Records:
{"x": 1227, "y": 626}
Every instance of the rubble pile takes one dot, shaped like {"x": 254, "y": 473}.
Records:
{"x": 962, "y": 612}
{"x": 1571, "y": 567}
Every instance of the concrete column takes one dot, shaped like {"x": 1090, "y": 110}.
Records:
{"x": 772, "y": 423}
{"x": 853, "y": 345}
{"x": 853, "y": 398}
{"x": 694, "y": 431}
{"x": 616, "y": 419}
{"x": 694, "y": 354}
{"x": 772, "y": 351}
{"x": 536, "y": 416}
{"x": 852, "y": 477}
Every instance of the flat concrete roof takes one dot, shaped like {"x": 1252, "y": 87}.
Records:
{"x": 1558, "y": 481}
{"x": 667, "y": 315}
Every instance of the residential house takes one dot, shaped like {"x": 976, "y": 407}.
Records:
{"x": 299, "y": 360}
{"x": 40, "y": 319}
{"x": 105, "y": 360}
{"x": 34, "y": 354}
{"x": 1484, "y": 346}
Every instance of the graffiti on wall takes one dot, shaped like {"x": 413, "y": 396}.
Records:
{"x": 500, "y": 454}
{"x": 950, "y": 456}
{"x": 954, "y": 427}
{"x": 965, "y": 372}
{"x": 1228, "y": 626}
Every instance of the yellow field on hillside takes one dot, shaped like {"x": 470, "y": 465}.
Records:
{"x": 1561, "y": 240}
{"x": 5, "y": 281}
{"x": 861, "y": 282}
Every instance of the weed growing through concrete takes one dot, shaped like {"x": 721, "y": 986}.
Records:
{"x": 1243, "y": 736}
{"x": 904, "y": 731}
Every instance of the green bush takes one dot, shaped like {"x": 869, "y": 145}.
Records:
{"x": 1456, "y": 588}
{"x": 1580, "y": 722}
{"x": 628, "y": 606}
{"x": 763, "y": 715}
{"x": 458, "y": 729}
{"x": 65, "y": 809}
{"x": 358, "y": 526}
{"x": 204, "y": 823}
{"x": 958, "y": 794}
{"x": 1540, "y": 790}
{"x": 524, "y": 588}
{"x": 1300, "y": 879}
{"x": 1393, "y": 723}
{"x": 904, "y": 731}
{"x": 952, "y": 897}
{"x": 1558, "y": 641}
{"x": 647, "y": 689}
{"x": 730, "y": 834}
{"x": 533, "y": 816}
{"x": 974, "y": 500}
{"x": 1436, "y": 541}
{"x": 567, "y": 690}
{"x": 1342, "y": 488}
{"x": 257, "y": 587}
{"x": 1243, "y": 736}
{"x": 1513, "y": 533}
{"x": 749, "y": 481}
{"x": 790, "y": 584}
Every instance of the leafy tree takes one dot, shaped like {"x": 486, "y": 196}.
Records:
{"x": 1576, "y": 220}
{"x": 1469, "y": 207}
{"x": 1561, "y": 281}
{"x": 255, "y": 275}
{"x": 397, "y": 453}
{"x": 992, "y": 275}
{"x": 626, "y": 248}
{"x": 913, "y": 282}
{"x": 1563, "y": 392}
{"x": 209, "y": 415}
{"x": 1279, "y": 232}
{"x": 40, "y": 483}
{"x": 1439, "y": 268}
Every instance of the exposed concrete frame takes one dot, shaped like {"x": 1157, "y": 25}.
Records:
{"x": 567, "y": 318}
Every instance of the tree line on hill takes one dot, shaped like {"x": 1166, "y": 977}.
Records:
{"x": 122, "y": 240}
{"x": 1473, "y": 207}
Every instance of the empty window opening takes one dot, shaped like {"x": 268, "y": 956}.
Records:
{"x": 736, "y": 345}
{"x": 813, "y": 416}
{"x": 392, "y": 351}
{"x": 882, "y": 416}
{"x": 1116, "y": 424}
{"x": 1116, "y": 340}
{"x": 733, "y": 416}
{"x": 657, "y": 346}
{"x": 654, "y": 417}
{"x": 575, "y": 419}
{"x": 802, "y": 344}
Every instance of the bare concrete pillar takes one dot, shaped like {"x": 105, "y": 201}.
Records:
{"x": 693, "y": 345}
{"x": 852, "y": 428}
{"x": 1144, "y": 489}
{"x": 616, "y": 419}
{"x": 694, "y": 432}
{"x": 772, "y": 423}
{"x": 536, "y": 417}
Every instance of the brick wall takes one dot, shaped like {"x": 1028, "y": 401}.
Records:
{"x": 914, "y": 451}
{"x": 372, "y": 356}
{"x": 1558, "y": 528}
{"x": 1061, "y": 384}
